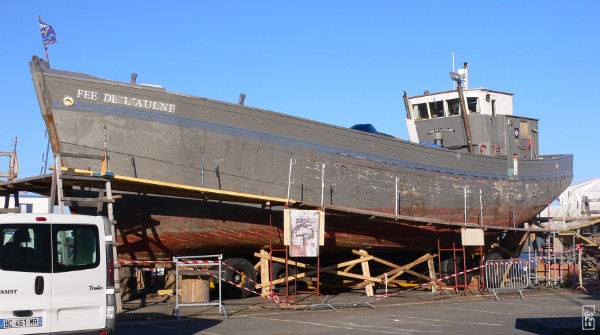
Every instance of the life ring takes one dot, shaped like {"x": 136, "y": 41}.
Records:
{"x": 481, "y": 147}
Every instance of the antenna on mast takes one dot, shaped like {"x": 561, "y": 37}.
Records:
{"x": 464, "y": 73}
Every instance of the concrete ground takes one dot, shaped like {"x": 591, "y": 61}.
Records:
{"x": 543, "y": 311}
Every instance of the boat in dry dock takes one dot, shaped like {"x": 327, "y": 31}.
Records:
{"x": 469, "y": 159}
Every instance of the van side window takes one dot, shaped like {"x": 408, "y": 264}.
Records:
{"x": 77, "y": 247}
{"x": 25, "y": 248}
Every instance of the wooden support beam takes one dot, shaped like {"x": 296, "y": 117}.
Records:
{"x": 431, "y": 268}
{"x": 521, "y": 244}
{"x": 349, "y": 267}
{"x": 589, "y": 223}
{"x": 588, "y": 242}
{"x": 418, "y": 261}
{"x": 397, "y": 270}
{"x": 366, "y": 272}
{"x": 416, "y": 274}
{"x": 364, "y": 258}
{"x": 214, "y": 193}
{"x": 264, "y": 272}
{"x": 282, "y": 261}
{"x": 368, "y": 279}
{"x": 313, "y": 269}
{"x": 396, "y": 282}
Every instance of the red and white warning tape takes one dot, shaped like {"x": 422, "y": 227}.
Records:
{"x": 278, "y": 301}
{"x": 195, "y": 261}
{"x": 517, "y": 261}
{"x": 271, "y": 297}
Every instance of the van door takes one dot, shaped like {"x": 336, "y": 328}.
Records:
{"x": 79, "y": 279}
{"x": 25, "y": 275}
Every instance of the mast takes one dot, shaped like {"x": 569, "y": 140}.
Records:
{"x": 457, "y": 78}
{"x": 407, "y": 106}
{"x": 45, "y": 47}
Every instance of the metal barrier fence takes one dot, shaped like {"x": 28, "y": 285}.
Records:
{"x": 506, "y": 276}
{"x": 548, "y": 268}
{"x": 195, "y": 262}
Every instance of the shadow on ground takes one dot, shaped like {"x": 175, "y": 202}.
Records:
{"x": 180, "y": 327}
{"x": 550, "y": 326}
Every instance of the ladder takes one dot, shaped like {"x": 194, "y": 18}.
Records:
{"x": 13, "y": 170}
{"x": 16, "y": 207}
{"x": 104, "y": 197}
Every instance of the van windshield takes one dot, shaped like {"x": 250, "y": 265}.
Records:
{"x": 25, "y": 248}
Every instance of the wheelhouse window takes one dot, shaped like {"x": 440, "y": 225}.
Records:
{"x": 25, "y": 248}
{"x": 420, "y": 111}
{"x": 473, "y": 105}
{"x": 454, "y": 106}
{"x": 437, "y": 108}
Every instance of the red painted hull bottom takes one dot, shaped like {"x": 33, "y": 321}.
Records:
{"x": 158, "y": 228}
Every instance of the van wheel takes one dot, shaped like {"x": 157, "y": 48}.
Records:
{"x": 245, "y": 278}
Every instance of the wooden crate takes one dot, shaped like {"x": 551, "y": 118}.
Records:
{"x": 195, "y": 287}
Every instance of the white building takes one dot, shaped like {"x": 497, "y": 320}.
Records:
{"x": 30, "y": 203}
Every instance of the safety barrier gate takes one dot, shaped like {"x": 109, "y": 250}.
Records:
{"x": 195, "y": 262}
{"x": 506, "y": 276}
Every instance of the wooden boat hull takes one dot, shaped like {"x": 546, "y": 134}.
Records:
{"x": 158, "y": 228}
{"x": 159, "y": 135}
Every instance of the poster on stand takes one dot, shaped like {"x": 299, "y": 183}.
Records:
{"x": 304, "y": 228}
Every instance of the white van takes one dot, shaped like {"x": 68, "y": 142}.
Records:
{"x": 56, "y": 274}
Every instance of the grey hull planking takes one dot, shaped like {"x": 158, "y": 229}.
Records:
{"x": 243, "y": 149}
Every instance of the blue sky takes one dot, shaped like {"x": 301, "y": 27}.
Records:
{"x": 339, "y": 62}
